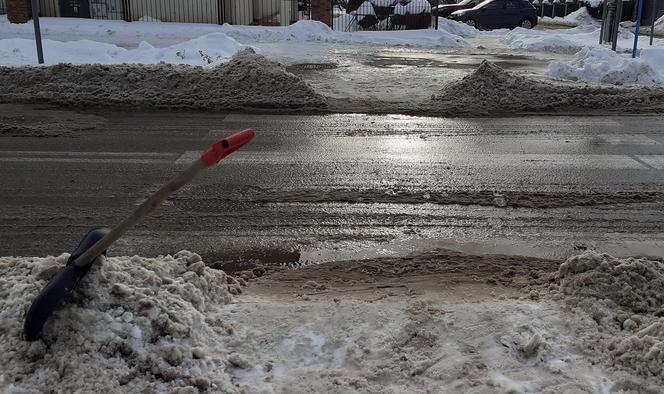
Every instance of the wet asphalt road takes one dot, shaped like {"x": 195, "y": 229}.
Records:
{"x": 342, "y": 186}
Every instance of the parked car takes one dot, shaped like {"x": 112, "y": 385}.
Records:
{"x": 446, "y": 9}
{"x": 497, "y": 14}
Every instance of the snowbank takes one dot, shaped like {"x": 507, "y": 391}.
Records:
{"x": 580, "y": 17}
{"x": 562, "y": 40}
{"x": 134, "y": 325}
{"x": 208, "y": 49}
{"x": 601, "y": 65}
{"x": 248, "y": 81}
{"x": 308, "y": 31}
{"x": 458, "y": 28}
{"x": 117, "y": 32}
{"x": 492, "y": 90}
{"x": 166, "y": 34}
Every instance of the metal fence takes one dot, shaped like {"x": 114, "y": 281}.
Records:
{"x": 351, "y": 15}
{"x": 238, "y": 12}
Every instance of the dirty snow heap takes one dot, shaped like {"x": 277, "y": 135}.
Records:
{"x": 492, "y": 90}
{"x": 248, "y": 82}
{"x": 134, "y": 325}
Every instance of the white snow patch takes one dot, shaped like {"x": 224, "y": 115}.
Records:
{"x": 601, "y": 65}
{"x": 204, "y": 50}
{"x": 579, "y": 17}
{"x": 126, "y": 34}
{"x": 365, "y": 8}
{"x": 312, "y": 31}
{"x": 562, "y": 40}
{"x": 418, "y": 7}
{"x": 384, "y": 3}
{"x": 457, "y": 28}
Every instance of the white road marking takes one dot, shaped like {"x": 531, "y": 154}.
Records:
{"x": 86, "y": 157}
{"x": 656, "y": 161}
{"x": 628, "y": 139}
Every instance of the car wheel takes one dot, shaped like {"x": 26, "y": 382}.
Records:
{"x": 526, "y": 24}
{"x": 470, "y": 22}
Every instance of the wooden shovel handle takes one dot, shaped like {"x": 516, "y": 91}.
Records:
{"x": 211, "y": 156}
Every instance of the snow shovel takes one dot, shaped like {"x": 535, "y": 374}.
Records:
{"x": 95, "y": 243}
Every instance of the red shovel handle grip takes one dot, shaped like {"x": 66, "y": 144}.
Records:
{"x": 225, "y": 147}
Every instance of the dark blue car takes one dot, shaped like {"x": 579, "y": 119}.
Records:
{"x": 498, "y": 14}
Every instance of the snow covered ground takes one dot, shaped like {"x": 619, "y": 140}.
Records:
{"x": 212, "y": 48}
{"x": 440, "y": 321}
{"x": 150, "y": 43}
{"x": 601, "y": 65}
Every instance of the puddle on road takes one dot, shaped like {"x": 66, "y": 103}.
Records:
{"x": 454, "y": 61}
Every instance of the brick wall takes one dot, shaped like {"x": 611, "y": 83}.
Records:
{"x": 19, "y": 11}
{"x": 321, "y": 10}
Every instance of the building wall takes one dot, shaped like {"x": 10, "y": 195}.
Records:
{"x": 190, "y": 11}
{"x": 241, "y": 12}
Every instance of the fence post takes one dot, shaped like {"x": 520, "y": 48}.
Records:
{"x": 126, "y": 10}
{"x": 35, "y": 23}
{"x": 221, "y": 12}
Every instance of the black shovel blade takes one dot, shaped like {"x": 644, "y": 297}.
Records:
{"x": 58, "y": 287}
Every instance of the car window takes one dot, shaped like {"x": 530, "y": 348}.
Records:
{"x": 482, "y": 4}
{"x": 512, "y": 4}
{"x": 493, "y": 5}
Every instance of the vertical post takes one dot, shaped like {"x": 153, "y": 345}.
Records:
{"x": 616, "y": 24}
{"x": 35, "y": 22}
{"x": 654, "y": 10}
{"x": 604, "y": 22}
{"x": 126, "y": 10}
{"x": 638, "y": 28}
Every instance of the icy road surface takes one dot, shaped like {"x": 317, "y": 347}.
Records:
{"x": 335, "y": 187}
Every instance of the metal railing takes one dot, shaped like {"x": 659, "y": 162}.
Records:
{"x": 238, "y": 12}
{"x": 3, "y": 7}
{"x": 384, "y": 15}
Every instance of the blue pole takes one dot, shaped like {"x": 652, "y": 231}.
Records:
{"x": 638, "y": 28}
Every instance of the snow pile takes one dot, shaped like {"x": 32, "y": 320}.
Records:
{"x": 308, "y": 31}
{"x": 635, "y": 284}
{"x": 601, "y": 65}
{"x": 562, "y": 40}
{"x": 492, "y": 90}
{"x": 457, "y": 28}
{"x": 117, "y": 32}
{"x": 134, "y": 325}
{"x": 126, "y": 34}
{"x": 248, "y": 81}
{"x": 625, "y": 300}
{"x": 210, "y": 48}
{"x": 579, "y": 17}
